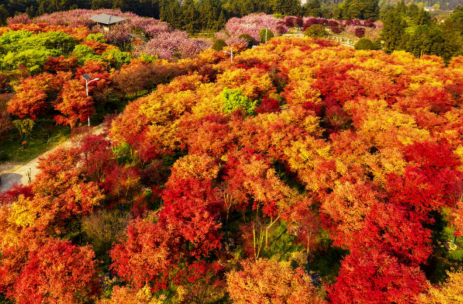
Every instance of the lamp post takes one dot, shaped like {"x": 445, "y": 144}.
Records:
{"x": 230, "y": 53}
{"x": 88, "y": 80}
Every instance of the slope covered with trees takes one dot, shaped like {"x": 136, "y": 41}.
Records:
{"x": 300, "y": 172}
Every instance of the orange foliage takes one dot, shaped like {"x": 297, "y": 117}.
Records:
{"x": 267, "y": 281}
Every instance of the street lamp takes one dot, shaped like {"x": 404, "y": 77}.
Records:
{"x": 230, "y": 53}
{"x": 88, "y": 80}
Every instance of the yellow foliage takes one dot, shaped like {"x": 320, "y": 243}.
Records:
{"x": 451, "y": 292}
{"x": 196, "y": 166}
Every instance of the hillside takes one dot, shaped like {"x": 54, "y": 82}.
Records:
{"x": 441, "y": 4}
{"x": 299, "y": 171}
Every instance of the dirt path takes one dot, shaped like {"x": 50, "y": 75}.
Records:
{"x": 12, "y": 173}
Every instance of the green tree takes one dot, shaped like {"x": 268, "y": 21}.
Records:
{"x": 24, "y": 127}
{"x": 313, "y": 8}
{"x": 457, "y": 19}
{"x": 211, "y": 15}
{"x": 170, "y": 10}
{"x": 393, "y": 31}
{"x": 286, "y": 7}
{"x": 360, "y": 9}
{"x": 189, "y": 16}
{"x": 3, "y": 15}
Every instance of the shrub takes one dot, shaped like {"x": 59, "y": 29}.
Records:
{"x": 263, "y": 35}
{"x": 365, "y": 44}
{"x": 359, "y": 32}
{"x": 234, "y": 100}
{"x": 116, "y": 58}
{"x": 219, "y": 44}
{"x": 96, "y": 37}
{"x": 290, "y": 21}
{"x": 316, "y": 30}
{"x": 249, "y": 40}
{"x": 336, "y": 30}
{"x": 33, "y": 60}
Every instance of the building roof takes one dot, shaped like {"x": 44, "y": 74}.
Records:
{"x": 107, "y": 19}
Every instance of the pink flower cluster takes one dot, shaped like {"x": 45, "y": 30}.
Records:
{"x": 165, "y": 43}
{"x": 231, "y": 40}
{"x": 81, "y": 17}
{"x": 253, "y": 24}
{"x": 175, "y": 44}
{"x": 19, "y": 19}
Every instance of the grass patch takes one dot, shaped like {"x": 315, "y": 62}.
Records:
{"x": 44, "y": 136}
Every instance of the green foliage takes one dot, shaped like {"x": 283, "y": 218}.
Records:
{"x": 3, "y": 15}
{"x": 13, "y": 37}
{"x": 17, "y": 41}
{"x": 23, "y": 48}
{"x": 44, "y": 137}
{"x": 360, "y": 9}
{"x": 234, "y": 100}
{"x": 286, "y": 7}
{"x": 33, "y": 60}
{"x": 147, "y": 58}
{"x": 250, "y": 41}
{"x": 266, "y": 35}
{"x": 316, "y": 30}
{"x": 393, "y": 31}
{"x": 457, "y": 19}
{"x": 364, "y": 44}
{"x": 313, "y": 8}
{"x": 84, "y": 53}
{"x": 219, "y": 44}
{"x": 282, "y": 243}
{"x": 96, "y": 37}
{"x": 123, "y": 153}
{"x": 117, "y": 58}
{"x": 103, "y": 228}
{"x": 24, "y": 127}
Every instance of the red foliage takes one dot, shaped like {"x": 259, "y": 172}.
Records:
{"x": 61, "y": 63}
{"x": 191, "y": 209}
{"x": 97, "y": 156}
{"x": 74, "y": 105}
{"x": 43, "y": 278}
{"x": 335, "y": 85}
{"x": 360, "y": 32}
{"x": 431, "y": 182}
{"x": 11, "y": 195}
{"x": 268, "y": 105}
{"x": 376, "y": 277}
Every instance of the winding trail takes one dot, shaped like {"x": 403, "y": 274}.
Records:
{"x": 12, "y": 173}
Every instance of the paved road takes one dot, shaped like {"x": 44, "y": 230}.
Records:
{"x": 23, "y": 173}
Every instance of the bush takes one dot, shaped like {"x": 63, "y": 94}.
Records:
{"x": 234, "y": 100}
{"x": 316, "y": 30}
{"x": 263, "y": 35}
{"x": 219, "y": 44}
{"x": 116, "y": 58}
{"x": 96, "y": 37}
{"x": 336, "y": 30}
{"x": 360, "y": 32}
{"x": 365, "y": 44}
{"x": 33, "y": 60}
{"x": 249, "y": 40}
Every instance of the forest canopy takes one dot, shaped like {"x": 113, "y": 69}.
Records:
{"x": 300, "y": 172}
